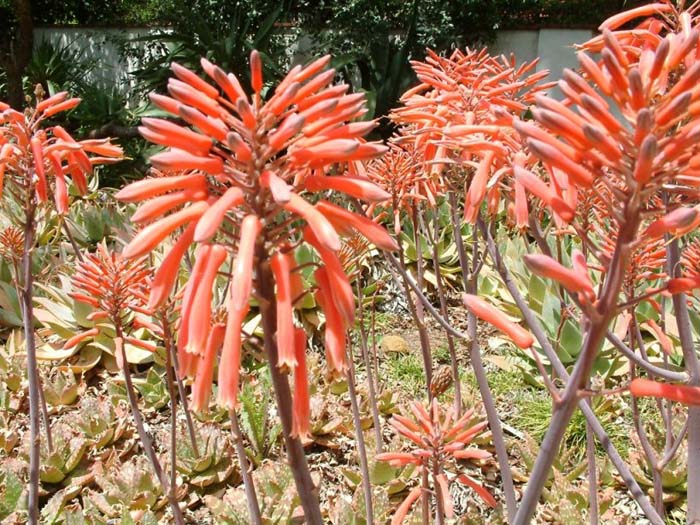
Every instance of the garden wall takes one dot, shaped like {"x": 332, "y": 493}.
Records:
{"x": 105, "y": 48}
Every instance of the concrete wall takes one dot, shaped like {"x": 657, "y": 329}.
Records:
{"x": 105, "y": 47}
{"x": 111, "y": 52}
{"x": 555, "y": 47}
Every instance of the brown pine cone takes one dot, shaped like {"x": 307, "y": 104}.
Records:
{"x": 442, "y": 379}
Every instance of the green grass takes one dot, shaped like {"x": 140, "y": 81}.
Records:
{"x": 530, "y": 411}
{"x": 405, "y": 371}
{"x": 441, "y": 355}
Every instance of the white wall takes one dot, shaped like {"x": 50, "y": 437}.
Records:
{"x": 553, "y": 46}
{"x": 102, "y": 47}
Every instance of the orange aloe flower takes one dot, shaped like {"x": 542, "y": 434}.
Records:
{"x": 688, "y": 395}
{"x": 301, "y": 416}
{"x": 113, "y": 286}
{"x": 494, "y": 316}
{"x": 439, "y": 443}
{"x": 461, "y": 120}
{"x": 238, "y": 178}
{"x": 575, "y": 280}
{"x": 641, "y": 137}
{"x": 54, "y": 157}
{"x": 621, "y": 150}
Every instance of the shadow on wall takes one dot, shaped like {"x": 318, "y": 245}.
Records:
{"x": 555, "y": 47}
{"x": 106, "y": 48}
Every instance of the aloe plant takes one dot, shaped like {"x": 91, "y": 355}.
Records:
{"x": 211, "y": 463}
{"x": 69, "y": 449}
{"x": 128, "y": 490}
{"x": 61, "y": 388}
{"x": 257, "y": 425}
{"x": 101, "y": 422}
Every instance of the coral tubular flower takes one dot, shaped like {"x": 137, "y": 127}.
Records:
{"x": 343, "y": 296}
{"x": 354, "y": 186}
{"x": 440, "y": 445}
{"x": 153, "y": 234}
{"x": 147, "y": 188}
{"x": 334, "y": 336}
{"x": 491, "y": 315}
{"x": 237, "y": 175}
{"x": 243, "y": 265}
{"x": 688, "y": 395}
{"x": 166, "y": 275}
{"x": 678, "y": 219}
{"x": 281, "y": 268}
{"x": 230, "y": 363}
{"x": 201, "y": 390}
{"x": 301, "y": 415}
{"x": 211, "y": 220}
{"x": 572, "y": 280}
{"x": 343, "y": 219}
{"x": 622, "y": 18}
{"x": 405, "y": 506}
{"x": 199, "y": 316}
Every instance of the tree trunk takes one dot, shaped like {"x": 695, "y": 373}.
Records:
{"x": 16, "y": 51}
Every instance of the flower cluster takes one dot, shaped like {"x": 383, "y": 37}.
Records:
{"x": 237, "y": 182}
{"x": 41, "y": 161}
{"x": 461, "y": 119}
{"x": 113, "y": 286}
{"x": 440, "y": 440}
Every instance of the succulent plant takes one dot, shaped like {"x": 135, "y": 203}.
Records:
{"x": 153, "y": 389}
{"x": 9, "y": 435}
{"x": 258, "y": 427}
{"x": 440, "y": 442}
{"x": 674, "y": 476}
{"x": 128, "y": 489}
{"x": 276, "y": 495}
{"x": 211, "y": 463}
{"x": 101, "y": 422}
{"x": 74, "y": 513}
{"x": 12, "y": 492}
{"x": 60, "y": 388}
{"x": 12, "y": 361}
{"x": 69, "y": 448}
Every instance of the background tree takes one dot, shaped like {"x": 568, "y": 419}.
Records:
{"x": 16, "y": 43}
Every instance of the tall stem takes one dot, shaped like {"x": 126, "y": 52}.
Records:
{"x": 417, "y": 320}
{"x": 144, "y": 437}
{"x": 74, "y": 244}
{"x": 374, "y": 408}
{"x": 420, "y": 313}
{"x": 592, "y": 476}
{"x": 170, "y": 380}
{"x": 439, "y": 496}
{"x": 32, "y": 368}
{"x": 470, "y": 276}
{"x": 533, "y": 323}
{"x": 454, "y": 362}
{"x": 651, "y": 457}
{"x": 649, "y": 452}
{"x": 425, "y": 496}
{"x": 360, "y": 438}
{"x": 680, "y": 309}
{"x": 170, "y": 348}
{"x": 295, "y": 452}
{"x": 248, "y": 484}
{"x": 44, "y": 412}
